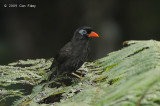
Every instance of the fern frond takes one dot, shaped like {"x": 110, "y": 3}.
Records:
{"x": 130, "y": 76}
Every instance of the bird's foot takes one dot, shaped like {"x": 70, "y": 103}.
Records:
{"x": 63, "y": 85}
{"x": 76, "y": 75}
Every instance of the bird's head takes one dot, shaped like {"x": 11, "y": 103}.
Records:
{"x": 84, "y": 33}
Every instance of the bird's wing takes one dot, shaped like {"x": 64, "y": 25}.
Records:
{"x": 64, "y": 53}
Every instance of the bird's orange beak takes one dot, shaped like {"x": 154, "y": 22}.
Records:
{"x": 93, "y": 34}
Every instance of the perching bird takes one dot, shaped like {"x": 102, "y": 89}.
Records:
{"x": 72, "y": 55}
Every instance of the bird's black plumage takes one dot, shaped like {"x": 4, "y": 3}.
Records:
{"x": 72, "y": 55}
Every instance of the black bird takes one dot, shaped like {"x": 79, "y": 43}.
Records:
{"x": 72, "y": 55}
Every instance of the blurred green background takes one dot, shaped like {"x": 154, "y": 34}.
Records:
{"x": 30, "y": 33}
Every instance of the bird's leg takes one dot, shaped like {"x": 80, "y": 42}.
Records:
{"x": 81, "y": 73}
{"x": 76, "y": 75}
{"x": 63, "y": 84}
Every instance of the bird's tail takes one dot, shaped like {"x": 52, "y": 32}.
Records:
{"x": 53, "y": 70}
{"x": 53, "y": 74}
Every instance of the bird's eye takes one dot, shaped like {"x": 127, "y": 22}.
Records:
{"x": 82, "y": 32}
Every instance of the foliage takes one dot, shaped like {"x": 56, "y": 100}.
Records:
{"x": 130, "y": 76}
